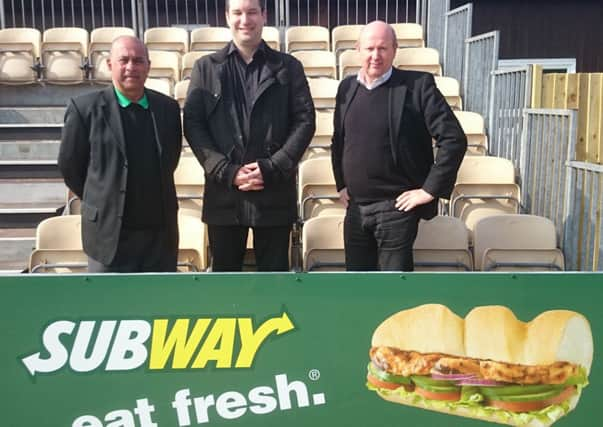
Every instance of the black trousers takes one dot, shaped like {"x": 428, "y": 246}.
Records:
{"x": 228, "y": 244}
{"x": 377, "y": 236}
{"x": 140, "y": 251}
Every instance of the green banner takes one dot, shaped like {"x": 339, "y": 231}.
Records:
{"x": 241, "y": 349}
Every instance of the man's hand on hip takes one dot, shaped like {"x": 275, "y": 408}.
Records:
{"x": 412, "y": 198}
{"x": 344, "y": 197}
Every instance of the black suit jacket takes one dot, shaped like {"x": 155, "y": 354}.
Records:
{"x": 418, "y": 113}
{"x": 282, "y": 123}
{"x": 93, "y": 161}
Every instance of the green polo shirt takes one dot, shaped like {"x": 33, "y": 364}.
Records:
{"x": 125, "y": 102}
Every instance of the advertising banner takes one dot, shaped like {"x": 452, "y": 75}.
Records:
{"x": 251, "y": 350}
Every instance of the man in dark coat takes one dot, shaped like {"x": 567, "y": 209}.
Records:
{"x": 118, "y": 153}
{"x": 382, "y": 153}
{"x": 248, "y": 118}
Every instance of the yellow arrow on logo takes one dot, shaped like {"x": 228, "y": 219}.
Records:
{"x": 251, "y": 341}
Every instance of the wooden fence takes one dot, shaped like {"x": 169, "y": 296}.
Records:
{"x": 582, "y": 92}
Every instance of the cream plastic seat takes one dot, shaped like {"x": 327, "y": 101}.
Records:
{"x": 307, "y": 37}
{"x": 172, "y": 39}
{"x": 485, "y": 186}
{"x": 409, "y": 34}
{"x": 159, "y": 85}
{"x": 442, "y": 244}
{"x": 345, "y": 37}
{"x": 165, "y": 65}
{"x": 418, "y": 59}
{"x": 322, "y": 244}
{"x": 316, "y": 189}
{"x": 317, "y": 63}
{"x": 64, "y": 54}
{"x": 19, "y": 53}
{"x": 188, "y": 62}
{"x": 189, "y": 179}
{"x": 475, "y": 130}
{"x": 324, "y": 92}
{"x": 192, "y": 246}
{"x": 100, "y": 48}
{"x": 517, "y": 242}
{"x": 180, "y": 91}
{"x": 349, "y": 63}
{"x": 210, "y": 38}
{"x": 272, "y": 37}
{"x": 320, "y": 146}
{"x": 450, "y": 88}
{"x": 59, "y": 246}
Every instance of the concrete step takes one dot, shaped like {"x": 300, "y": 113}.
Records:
{"x": 14, "y": 253}
{"x": 29, "y": 169}
{"x": 31, "y": 150}
{"x": 31, "y": 114}
{"x": 27, "y": 132}
{"x": 32, "y": 191}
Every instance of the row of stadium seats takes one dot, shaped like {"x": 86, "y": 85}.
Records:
{"x": 501, "y": 243}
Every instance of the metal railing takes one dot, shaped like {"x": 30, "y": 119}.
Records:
{"x": 481, "y": 59}
{"x": 511, "y": 93}
{"x": 583, "y": 239}
{"x": 548, "y": 142}
{"x": 457, "y": 29}
{"x": 436, "y": 18}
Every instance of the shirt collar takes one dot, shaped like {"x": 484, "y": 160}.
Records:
{"x": 259, "y": 51}
{"x": 375, "y": 83}
{"x": 125, "y": 102}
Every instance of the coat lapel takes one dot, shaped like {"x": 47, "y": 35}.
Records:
{"x": 158, "y": 118}
{"x": 113, "y": 119}
{"x": 397, "y": 97}
{"x": 351, "y": 92}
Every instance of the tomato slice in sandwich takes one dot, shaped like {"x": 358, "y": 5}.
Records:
{"x": 519, "y": 405}
{"x": 382, "y": 384}
{"x": 437, "y": 395}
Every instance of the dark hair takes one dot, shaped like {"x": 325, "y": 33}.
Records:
{"x": 261, "y": 2}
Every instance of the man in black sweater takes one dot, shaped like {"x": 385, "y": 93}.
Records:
{"x": 385, "y": 120}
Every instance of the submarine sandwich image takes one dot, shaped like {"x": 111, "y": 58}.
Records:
{"x": 489, "y": 366}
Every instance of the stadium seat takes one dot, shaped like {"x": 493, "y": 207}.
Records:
{"x": 165, "y": 65}
{"x": 409, "y": 34}
{"x": 418, "y": 59}
{"x": 317, "y": 63}
{"x": 345, "y": 37}
{"x": 188, "y": 62}
{"x": 349, "y": 63}
{"x": 100, "y": 47}
{"x": 450, "y": 88}
{"x": 485, "y": 186}
{"x": 322, "y": 244}
{"x": 190, "y": 182}
{"x": 172, "y": 39}
{"x": 210, "y": 38}
{"x": 19, "y": 53}
{"x": 180, "y": 91}
{"x": 515, "y": 243}
{"x": 64, "y": 55}
{"x": 320, "y": 146}
{"x": 307, "y": 37}
{"x": 59, "y": 246}
{"x": 160, "y": 85}
{"x": 272, "y": 37}
{"x": 323, "y": 92}
{"x": 317, "y": 192}
{"x": 475, "y": 130}
{"x": 442, "y": 244}
{"x": 192, "y": 245}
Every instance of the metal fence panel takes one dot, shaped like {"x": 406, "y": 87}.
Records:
{"x": 436, "y": 19}
{"x": 457, "y": 28}
{"x": 547, "y": 144}
{"x": 583, "y": 239}
{"x": 511, "y": 93}
{"x": 481, "y": 59}
{"x": 89, "y": 14}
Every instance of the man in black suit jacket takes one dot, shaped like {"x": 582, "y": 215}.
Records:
{"x": 384, "y": 123}
{"x": 118, "y": 153}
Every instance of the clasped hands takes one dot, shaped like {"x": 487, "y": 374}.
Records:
{"x": 249, "y": 178}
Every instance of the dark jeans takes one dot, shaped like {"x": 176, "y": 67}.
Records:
{"x": 139, "y": 251}
{"x": 377, "y": 236}
{"x": 228, "y": 244}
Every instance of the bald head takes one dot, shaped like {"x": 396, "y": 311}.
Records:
{"x": 130, "y": 41}
{"x": 377, "y": 48}
{"x": 129, "y": 64}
